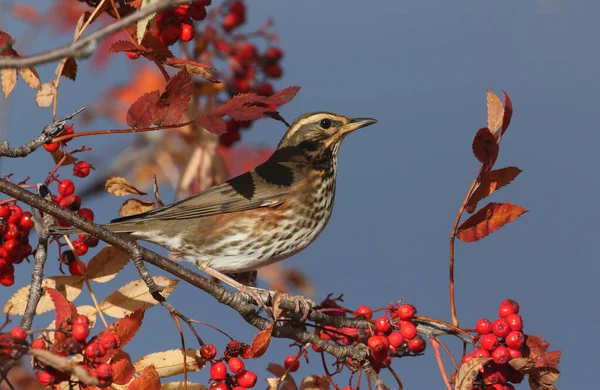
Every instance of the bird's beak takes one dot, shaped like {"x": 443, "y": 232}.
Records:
{"x": 356, "y": 124}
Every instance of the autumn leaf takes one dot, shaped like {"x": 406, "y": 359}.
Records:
{"x": 537, "y": 347}
{"x": 261, "y": 342}
{"x": 142, "y": 24}
{"x": 485, "y": 147}
{"x": 490, "y": 182}
{"x": 58, "y": 156}
{"x": 126, "y": 327}
{"x": 140, "y": 113}
{"x": 123, "y": 370}
{"x": 121, "y": 46}
{"x": 174, "y": 100}
{"x": 468, "y": 372}
{"x": 193, "y": 67}
{"x": 170, "y": 363}
{"x": 9, "y": 81}
{"x": 495, "y": 112}
{"x": 541, "y": 378}
{"x": 120, "y": 186}
{"x": 106, "y": 264}
{"x": 45, "y": 95}
{"x": 69, "y": 286}
{"x": 148, "y": 380}
{"x": 65, "y": 310}
{"x": 508, "y": 111}
{"x": 31, "y": 77}
{"x": 70, "y": 68}
{"x": 487, "y": 220}
{"x": 282, "y": 97}
{"x": 214, "y": 124}
{"x": 135, "y": 206}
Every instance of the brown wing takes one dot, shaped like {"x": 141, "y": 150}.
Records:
{"x": 264, "y": 186}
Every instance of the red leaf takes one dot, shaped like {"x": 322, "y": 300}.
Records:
{"x": 214, "y": 124}
{"x": 193, "y": 67}
{"x": 487, "y": 220}
{"x": 508, "y": 111}
{"x": 490, "y": 182}
{"x": 238, "y": 102}
{"x": 248, "y": 113}
{"x": 155, "y": 49}
{"x": 140, "y": 113}
{"x": 485, "y": 147}
{"x": 4, "y": 38}
{"x": 120, "y": 46}
{"x": 65, "y": 310}
{"x": 537, "y": 346}
{"x": 174, "y": 100}
{"x": 282, "y": 97}
{"x": 549, "y": 359}
{"x": 148, "y": 380}
{"x": 70, "y": 68}
{"x": 123, "y": 370}
{"x": 261, "y": 342}
{"x": 124, "y": 329}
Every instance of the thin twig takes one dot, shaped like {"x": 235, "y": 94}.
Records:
{"x": 438, "y": 357}
{"x": 86, "y": 46}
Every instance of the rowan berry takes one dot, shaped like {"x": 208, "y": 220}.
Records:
{"x": 501, "y": 327}
{"x": 508, "y": 307}
{"x": 208, "y": 351}
{"x": 66, "y": 187}
{"x": 382, "y": 324}
{"x": 81, "y": 169}
{"x": 273, "y": 71}
{"x": 132, "y": 55}
{"x": 291, "y": 363}
{"x": 273, "y": 54}
{"x": 18, "y": 333}
{"x": 52, "y": 147}
{"x": 406, "y": 312}
{"x": 26, "y": 221}
{"x": 187, "y": 32}
{"x": 77, "y": 268}
{"x": 219, "y": 386}
{"x": 109, "y": 340}
{"x": 515, "y": 321}
{"x": 218, "y": 371}
{"x": 515, "y": 340}
{"x": 416, "y": 344}
{"x": 104, "y": 371}
{"x": 46, "y": 378}
{"x": 489, "y": 341}
{"x": 236, "y": 365}
{"x": 364, "y": 312}
{"x": 396, "y": 339}
{"x": 501, "y": 354}
{"x": 376, "y": 343}
{"x": 408, "y": 329}
{"x": 197, "y": 11}
{"x": 246, "y": 378}
{"x": 481, "y": 353}
{"x": 483, "y": 326}
{"x": 94, "y": 350}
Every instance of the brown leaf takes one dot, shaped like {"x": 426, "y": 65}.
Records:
{"x": 193, "y": 67}
{"x": 492, "y": 181}
{"x": 508, "y": 111}
{"x": 120, "y": 186}
{"x": 214, "y": 124}
{"x": 120, "y": 46}
{"x": 315, "y": 382}
{"x": 106, "y": 264}
{"x": 174, "y": 100}
{"x": 261, "y": 342}
{"x": 123, "y": 370}
{"x": 154, "y": 49}
{"x": 549, "y": 359}
{"x": 468, "y": 372}
{"x": 522, "y": 364}
{"x": 136, "y": 206}
{"x": 70, "y": 68}
{"x": 543, "y": 377}
{"x": 485, "y": 147}
{"x": 495, "y": 112}
{"x": 31, "y": 77}
{"x": 537, "y": 346}
{"x": 140, "y": 113}
{"x": 487, "y": 220}
{"x": 58, "y": 155}
{"x": 45, "y": 96}
{"x": 282, "y": 97}
{"x": 148, "y": 380}
{"x": 9, "y": 80}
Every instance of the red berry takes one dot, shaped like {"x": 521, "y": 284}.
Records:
{"x": 75, "y": 269}
{"x": 239, "y": 388}
{"x": 291, "y": 363}
{"x": 46, "y": 378}
{"x": 406, "y": 312}
{"x": 12, "y": 246}
{"x": 467, "y": 357}
{"x": 66, "y": 187}
{"x": 72, "y": 202}
{"x": 94, "y": 350}
{"x": 515, "y": 321}
{"x": 489, "y": 341}
{"x": 15, "y": 214}
{"x": 218, "y": 371}
{"x": 238, "y": 8}
{"x": 273, "y": 54}
{"x": 90, "y": 241}
{"x": 109, "y": 341}
{"x": 265, "y": 89}
{"x": 417, "y": 344}
{"x": 508, "y": 307}
{"x": 231, "y": 21}
{"x": 69, "y": 129}
{"x": 80, "y": 247}
{"x": 132, "y": 55}
{"x": 11, "y": 232}
{"x": 364, "y": 312}
{"x": 236, "y": 365}
{"x": 219, "y": 386}
{"x": 396, "y": 339}
{"x": 246, "y": 378}
{"x": 501, "y": 355}
{"x": 408, "y": 329}
{"x": 241, "y": 84}
{"x": 52, "y": 147}
{"x": 382, "y": 324}
{"x": 247, "y": 52}
{"x": 483, "y": 326}
{"x": 182, "y": 10}
{"x": 81, "y": 169}
{"x": 86, "y": 213}
{"x": 501, "y": 327}
{"x": 208, "y": 351}
{"x": 481, "y": 353}
{"x": 197, "y": 11}
{"x": 7, "y": 279}
{"x": 26, "y": 221}
{"x": 80, "y": 332}
{"x": 187, "y": 32}
{"x": 274, "y": 71}
{"x": 515, "y": 339}
{"x": 4, "y": 211}
{"x": 104, "y": 371}
{"x": 38, "y": 344}
{"x": 18, "y": 333}
{"x": 376, "y": 343}
{"x": 515, "y": 353}
{"x": 82, "y": 320}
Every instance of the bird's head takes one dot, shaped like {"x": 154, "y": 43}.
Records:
{"x": 314, "y": 133}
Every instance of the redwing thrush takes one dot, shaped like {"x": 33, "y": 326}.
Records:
{"x": 260, "y": 217}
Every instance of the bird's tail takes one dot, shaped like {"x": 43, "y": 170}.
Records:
{"x": 117, "y": 227}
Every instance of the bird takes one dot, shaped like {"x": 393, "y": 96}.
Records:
{"x": 260, "y": 217}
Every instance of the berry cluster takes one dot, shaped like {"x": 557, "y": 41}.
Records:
{"x": 72, "y": 341}
{"x": 15, "y": 225}
{"x": 238, "y": 377}
{"x": 235, "y": 17}
{"x": 501, "y": 340}
{"x": 178, "y": 23}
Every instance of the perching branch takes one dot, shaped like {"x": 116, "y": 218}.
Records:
{"x": 85, "y": 47}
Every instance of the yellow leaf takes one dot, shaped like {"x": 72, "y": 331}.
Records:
{"x": 134, "y": 296}
{"x": 45, "y": 96}
{"x": 31, "y": 77}
{"x": 468, "y": 372}
{"x": 69, "y": 286}
{"x": 9, "y": 80}
{"x": 135, "y": 206}
{"x": 120, "y": 186}
{"x": 143, "y": 23}
{"x": 106, "y": 264}
{"x": 495, "y": 112}
{"x": 169, "y": 363}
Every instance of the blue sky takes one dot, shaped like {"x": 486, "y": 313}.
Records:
{"x": 422, "y": 69}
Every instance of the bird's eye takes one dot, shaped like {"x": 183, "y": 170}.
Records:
{"x": 325, "y": 123}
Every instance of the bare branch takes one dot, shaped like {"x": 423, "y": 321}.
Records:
{"x": 83, "y": 48}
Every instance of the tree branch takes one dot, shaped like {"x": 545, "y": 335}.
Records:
{"x": 86, "y": 46}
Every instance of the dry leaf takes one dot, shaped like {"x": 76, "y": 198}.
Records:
{"x": 522, "y": 364}
{"x": 106, "y": 264}
{"x": 69, "y": 286}
{"x": 468, "y": 372}
{"x": 492, "y": 181}
{"x": 485, "y": 147}
{"x": 135, "y": 206}
{"x": 31, "y": 77}
{"x": 169, "y": 363}
{"x": 495, "y": 112}
{"x": 315, "y": 382}
{"x": 58, "y": 155}
{"x": 148, "y": 380}
{"x": 193, "y": 67}
{"x": 180, "y": 386}
{"x": 45, "y": 96}
{"x": 70, "y": 68}
{"x": 142, "y": 24}
{"x": 288, "y": 381}
{"x": 487, "y": 220}
{"x": 9, "y": 80}
{"x": 123, "y": 370}
{"x": 120, "y": 186}
{"x": 261, "y": 342}
{"x": 508, "y": 111}
{"x": 140, "y": 113}
{"x": 134, "y": 296}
